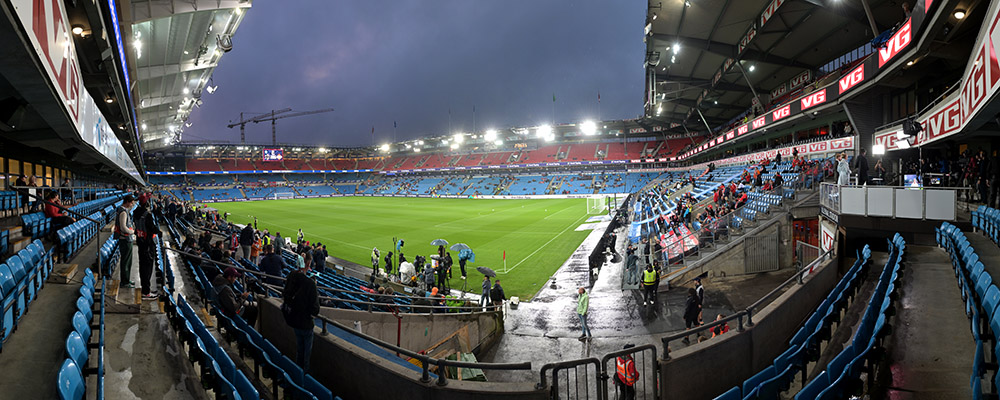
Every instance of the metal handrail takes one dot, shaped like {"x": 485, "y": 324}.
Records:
{"x": 747, "y": 312}
{"x": 262, "y": 274}
{"x": 424, "y": 359}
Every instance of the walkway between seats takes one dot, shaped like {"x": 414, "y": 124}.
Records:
{"x": 931, "y": 349}
{"x": 987, "y": 251}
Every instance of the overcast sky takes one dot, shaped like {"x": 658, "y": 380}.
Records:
{"x": 411, "y": 61}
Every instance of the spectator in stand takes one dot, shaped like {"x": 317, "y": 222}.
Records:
{"x": 246, "y": 240}
{"x": 861, "y": 163}
{"x": 146, "y": 228}
{"x": 59, "y": 218}
{"x": 721, "y": 328}
{"x": 66, "y": 193}
{"x": 994, "y": 180}
{"x": 205, "y": 241}
{"x": 843, "y": 170}
{"x": 778, "y": 180}
{"x": 124, "y": 232}
{"x": 319, "y": 258}
{"x": 255, "y": 250}
{"x": 34, "y": 193}
{"x": 271, "y": 264}
{"x": 231, "y": 303}
{"x": 301, "y": 303}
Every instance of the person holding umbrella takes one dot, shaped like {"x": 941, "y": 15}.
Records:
{"x": 485, "y": 298}
{"x": 465, "y": 255}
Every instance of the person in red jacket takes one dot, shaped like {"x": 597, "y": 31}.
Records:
{"x": 59, "y": 218}
{"x": 626, "y": 375}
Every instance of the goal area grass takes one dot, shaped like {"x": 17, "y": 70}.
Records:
{"x": 538, "y": 236}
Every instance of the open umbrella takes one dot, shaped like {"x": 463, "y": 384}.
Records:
{"x": 466, "y": 255}
{"x": 487, "y": 271}
{"x": 460, "y": 247}
{"x": 439, "y": 242}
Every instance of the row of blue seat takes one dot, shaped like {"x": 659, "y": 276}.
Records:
{"x": 987, "y": 219}
{"x": 982, "y": 300}
{"x": 804, "y": 346}
{"x": 75, "y": 236}
{"x": 81, "y": 340}
{"x": 283, "y": 372}
{"x": 841, "y": 378}
{"x": 36, "y": 224}
{"x": 9, "y": 200}
{"x": 21, "y": 277}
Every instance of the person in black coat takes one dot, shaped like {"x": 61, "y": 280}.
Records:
{"x": 862, "y": 165}
{"x": 301, "y": 303}
{"x": 246, "y": 240}
{"x": 271, "y": 264}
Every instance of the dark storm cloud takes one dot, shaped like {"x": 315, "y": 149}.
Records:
{"x": 379, "y": 61}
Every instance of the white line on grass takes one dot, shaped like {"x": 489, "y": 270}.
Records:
{"x": 543, "y": 246}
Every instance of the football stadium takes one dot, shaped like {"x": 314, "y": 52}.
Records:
{"x": 230, "y": 199}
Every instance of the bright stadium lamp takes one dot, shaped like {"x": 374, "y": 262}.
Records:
{"x": 454, "y": 146}
{"x": 416, "y": 150}
{"x": 544, "y": 131}
{"x": 498, "y": 142}
{"x": 491, "y": 135}
{"x": 459, "y": 138}
{"x": 878, "y": 149}
{"x": 385, "y": 147}
{"x": 588, "y": 128}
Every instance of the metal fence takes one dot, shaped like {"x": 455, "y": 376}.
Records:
{"x": 760, "y": 254}
{"x": 590, "y": 378}
{"x": 805, "y": 253}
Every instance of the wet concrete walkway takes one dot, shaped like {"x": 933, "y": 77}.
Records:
{"x": 931, "y": 349}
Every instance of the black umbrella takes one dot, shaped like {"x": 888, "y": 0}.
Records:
{"x": 487, "y": 271}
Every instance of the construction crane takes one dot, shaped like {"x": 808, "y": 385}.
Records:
{"x": 273, "y": 118}
{"x": 243, "y": 122}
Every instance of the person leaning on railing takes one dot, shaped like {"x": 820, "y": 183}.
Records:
{"x": 59, "y": 218}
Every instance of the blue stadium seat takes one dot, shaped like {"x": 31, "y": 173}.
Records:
{"x": 71, "y": 385}
{"x": 812, "y": 390}
{"x": 76, "y": 349}
{"x": 731, "y": 394}
{"x": 82, "y": 326}
{"x": 317, "y": 389}
{"x": 750, "y": 385}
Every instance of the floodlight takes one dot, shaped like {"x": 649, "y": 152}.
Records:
{"x": 459, "y": 138}
{"x": 588, "y": 128}
{"x": 878, "y": 149}
{"x": 498, "y": 142}
{"x": 416, "y": 150}
{"x": 959, "y": 14}
{"x": 752, "y": 67}
{"x": 385, "y": 147}
{"x": 491, "y": 135}
{"x": 544, "y": 131}
{"x": 454, "y": 146}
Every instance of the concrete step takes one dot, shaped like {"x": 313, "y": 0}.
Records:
{"x": 62, "y": 273}
{"x": 18, "y": 244}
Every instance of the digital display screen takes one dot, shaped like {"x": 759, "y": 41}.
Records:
{"x": 273, "y": 155}
{"x": 912, "y": 181}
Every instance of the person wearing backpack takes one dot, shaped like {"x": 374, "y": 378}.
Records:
{"x": 146, "y": 229}
{"x": 300, "y": 304}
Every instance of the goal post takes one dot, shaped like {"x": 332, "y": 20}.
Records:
{"x": 597, "y": 204}
{"x": 282, "y": 195}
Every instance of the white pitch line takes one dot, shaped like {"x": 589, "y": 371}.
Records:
{"x": 543, "y": 246}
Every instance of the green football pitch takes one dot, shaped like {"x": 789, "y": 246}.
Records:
{"x": 538, "y": 236}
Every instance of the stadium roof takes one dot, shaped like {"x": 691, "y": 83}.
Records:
{"x": 175, "y": 46}
{"x": 773, "y": 41}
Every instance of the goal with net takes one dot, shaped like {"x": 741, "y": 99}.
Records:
{"x": 283, "y": 195}
{"x": 597, "y": 204}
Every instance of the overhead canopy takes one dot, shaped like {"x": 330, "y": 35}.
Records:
{"x": 690, "y": 44}
{"x": 174, "y": 48}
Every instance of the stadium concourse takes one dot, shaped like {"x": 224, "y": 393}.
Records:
{"x": 806, "y": 208}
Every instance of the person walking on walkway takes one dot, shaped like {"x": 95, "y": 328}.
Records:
{"x": 650, "y": 280}
{"x": 125, "y": 234}
{"x": 146, "y": 229}
{"x": 484, "y": 300}
{"x": 627, "y": 375}
{"x": 300, "y": 304}
{"x": 691, "y": 309}
{"x": 582, "y": 306}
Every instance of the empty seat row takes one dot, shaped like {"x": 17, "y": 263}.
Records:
{"x": 75, "y": 236}
{"x": 982, "y": 300}
{"x": 9, "y": 200}
{"x": 987, "y": 219}
{"x": 21, "y": 277}
{"x": 81, "y": 341}
{"x": 842, "y": 376}
{"x": 217, "y": 370}
{"x": 805, "y": 345}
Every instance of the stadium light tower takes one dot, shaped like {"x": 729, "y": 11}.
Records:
{"x": 544, "y": 131}
{"x": 588, "y": 128}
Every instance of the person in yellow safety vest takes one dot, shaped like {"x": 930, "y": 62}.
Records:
{"x": 627, "y": 375}
{"x": 650, "y": 279}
